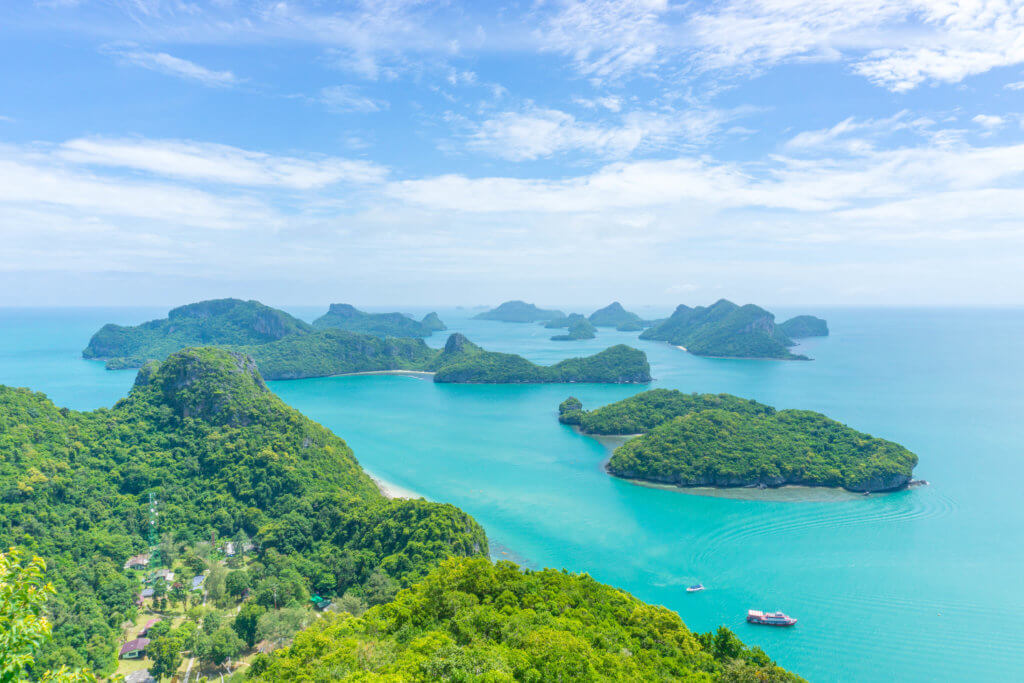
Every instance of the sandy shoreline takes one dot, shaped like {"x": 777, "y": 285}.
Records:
{"x": 418, "y": 374}
{"x": 393, "y": 491}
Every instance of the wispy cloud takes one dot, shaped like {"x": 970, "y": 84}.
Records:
{"x": 347, "y": 98}
{"x": 536, "y": 133}
{"x": 177, "y": 67}
{"x": 218, "y": 163}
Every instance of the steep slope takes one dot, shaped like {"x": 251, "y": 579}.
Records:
{"x": 222, "y": 322}
{"x": 221, "y": 454}
{"x": 578, "y": 329}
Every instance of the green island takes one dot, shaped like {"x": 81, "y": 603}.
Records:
{"x": 722, "y": 440}
{"x": 518, "y": 312}
{"x": 347, "y": 317}
{"x": 578, "y": 329}
{"x": 284, "y": 347}
{"x": 804, "y": 326}
{"x": 205, "y": 514}
{"x": 463, "y": 361}
{"x": 564, "y": 321}
{"x": 614, "y": 315}
{"x": 725, "y": 330}
{"x": 217, "y": 321}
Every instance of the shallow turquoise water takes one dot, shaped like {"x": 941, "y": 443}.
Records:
{"x": 919, "y": 585}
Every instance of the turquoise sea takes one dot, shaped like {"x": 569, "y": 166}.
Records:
{"x": 924, "y": 584}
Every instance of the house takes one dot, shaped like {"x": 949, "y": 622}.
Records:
{"x": 146, "y": 593}
{"x": 134, "y": 649}
{"x": 165, "y": 574}
{"x": 137, "y": 561}
{"x": 197, "y": 582}
{"x": 140, "y": 676}
{"x": 229, "y": 549}
{"x": 149, "y": 624}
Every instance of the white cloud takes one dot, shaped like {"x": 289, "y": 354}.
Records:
{"x": 218, "y": 163}
{"x": 346, "y": 98}
{"x": 1019, "y": 85}
{"x": 607, "y": 38}
{"x": 537, "y": 133}
{"x": 989, "y": 121}
{"x": 177, "y": 67}
{"x": 898, "y": 44}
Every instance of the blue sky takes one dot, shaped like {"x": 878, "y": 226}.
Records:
{"x": 405, "y": 152}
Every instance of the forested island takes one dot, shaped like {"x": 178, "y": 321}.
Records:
{"x": 268, "y": 516}
{"x": 804, "y": 326}
{"x": 578, "y": 329}
{"x": 519, "y": 312}
{"x": 463, "y": 361}
{"x": 614, "y": 315}
{"x": 723, "y": 440}
{"x": 564, "y": 321}
{"x": 725, "y": 330}
{"x": 347, "y": 317}
{"x": 284, "y": 347}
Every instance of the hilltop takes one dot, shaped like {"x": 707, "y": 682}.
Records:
{"x": 723, "y": 440}
{"x": 518, "y": 312}
{"x": 578, "y": 329}
{"x": 218, "y": 321}
{"x": 614, "y": 315}
{"x": 347, "y": 317}
{"x": 804, "y": 326}
{"x": 725, "y": 330}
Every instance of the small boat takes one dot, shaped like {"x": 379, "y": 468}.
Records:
{"x": 695, "y": 588}
{"x": 769, "y": 618}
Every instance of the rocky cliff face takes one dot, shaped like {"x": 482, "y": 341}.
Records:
{"x": 890, "y": 483}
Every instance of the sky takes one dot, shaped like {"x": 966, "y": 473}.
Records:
{"x": 845, "y": 152}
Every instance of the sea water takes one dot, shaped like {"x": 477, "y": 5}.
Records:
{"x": 922, "y": 584}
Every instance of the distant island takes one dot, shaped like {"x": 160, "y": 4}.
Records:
{"x": 722, "y": 440}
{"x": 284, "y": 347}
{"x": 804, "y": 326}
{"x": 725, "y": 330}
{"x": 518, "y": 312}
{"x": 614, "y": 315}
{"x": 464, "y": 362}
{"x": 578, "y": 329}
{"x": 347, "y": 317}
{"x": 564, "y": 321}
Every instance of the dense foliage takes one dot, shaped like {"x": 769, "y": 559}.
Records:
{"x": 464, "y": 362}
{"x": 724, "y": 330}
{"x": 804, "y": 326}
{"x": 219, "y": 321}
{"x": 644, "y": 411}
{"x": 518, "y": 312}
{"x": 578, "y": 329}
{"x": 337, "y": 352}
{"x": 474, "y": 620}
{"x": 346, "y": 317}
{"x": 614, "y": 315}
{"x": 223, "y": 455}
{"x": 719, "y": 447}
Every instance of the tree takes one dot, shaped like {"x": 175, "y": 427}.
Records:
{"x": 219, "y": 646}
{"x": 246, "y": 621}
{"x": 280, "y": 625}
{"x": 165, "y": 651}
{"x": 23, "y": 628}
{"x": 215, "y": 587}
{"x": 237, "y": 582}
{"x": 178, "y": 594}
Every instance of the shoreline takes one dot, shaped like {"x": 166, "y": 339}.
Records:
{"x": 418, "y": 374}
{"x": 393, "y": 491}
